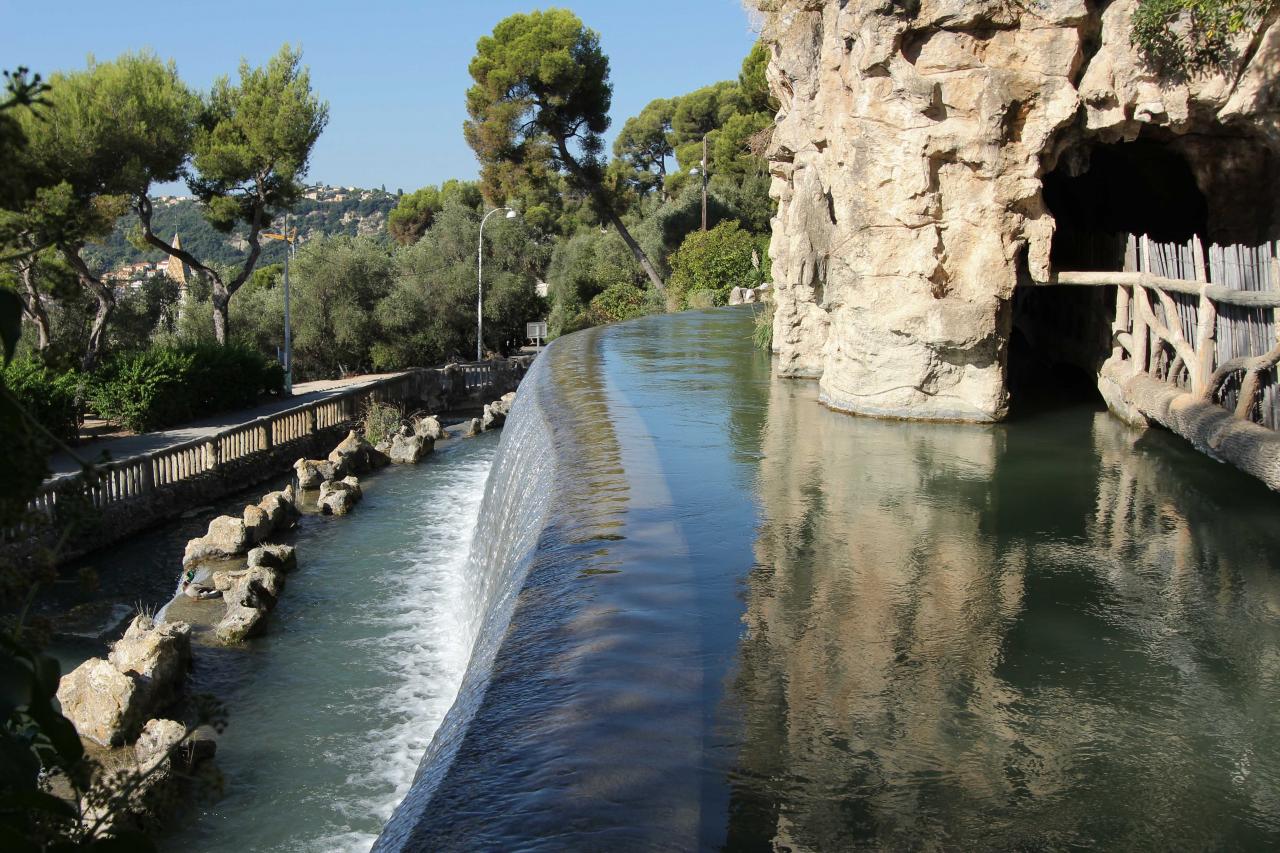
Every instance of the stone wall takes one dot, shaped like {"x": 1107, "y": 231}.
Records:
{"x": 908, "y": 162}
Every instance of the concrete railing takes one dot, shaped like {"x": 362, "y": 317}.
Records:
{"x": 224, "y": 457}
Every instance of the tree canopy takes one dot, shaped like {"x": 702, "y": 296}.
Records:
{"x": 541, "y": 91}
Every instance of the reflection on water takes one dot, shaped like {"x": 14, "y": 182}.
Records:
{"x": 752, "y": 623}
{"x": 1037, "y": 635}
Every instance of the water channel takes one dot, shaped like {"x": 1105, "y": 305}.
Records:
{"x": 691, "y": 608}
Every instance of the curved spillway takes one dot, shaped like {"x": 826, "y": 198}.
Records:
{"x": 707, "y": 612}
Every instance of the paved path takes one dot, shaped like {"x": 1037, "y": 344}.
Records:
{"x": 134, "y": 445}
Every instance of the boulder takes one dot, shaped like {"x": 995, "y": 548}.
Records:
{"x": 474, "y": 427}
{"x": 104, "y": 704}
{"x": 409, "y": 449}
{"x": 429, "y": 427}
{"x": 252, "y": 595}
{"x": 493, "y": 418}
{"x": 310, "y": 473}
{"x": 355, "y": 455}
{"x": 153, "y": 745}
{"x": 159, "y": 654}
{"x": 280, "y": 508}
{"x": 257, "y": 523}
{"x": 337, "y": 497}
{"x": 736, "y": 297}
{"x": 282, "y": 557}
{"x": 227, "y": 537}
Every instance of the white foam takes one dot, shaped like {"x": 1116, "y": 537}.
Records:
{"x": 426, "y": 647}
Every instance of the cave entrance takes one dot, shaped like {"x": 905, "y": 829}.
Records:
{"x": 1099, "y": 194}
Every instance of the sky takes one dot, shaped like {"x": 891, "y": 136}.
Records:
{"x": 394, "y": 73}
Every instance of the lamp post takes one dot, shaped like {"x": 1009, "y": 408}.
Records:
{"x": 702, "y": 170}
{"x": 290, "y": 238}
{"x": 511, "y": 214}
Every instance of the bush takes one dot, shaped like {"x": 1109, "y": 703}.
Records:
{"x": 717, "y": 261}
{"x": 381, "y": 421}
{"x": 620, "y": 302}
{"x": 169, "y": 384}
{"x": 52, "y": 398}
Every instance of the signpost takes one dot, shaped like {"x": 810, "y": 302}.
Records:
{"x": 537, "y": 332}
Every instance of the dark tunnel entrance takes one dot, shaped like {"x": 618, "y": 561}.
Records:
{"x": 1098, "y": 194}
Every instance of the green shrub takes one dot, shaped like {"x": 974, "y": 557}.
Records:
{"x": 762, "y": 330}
{"x": 620, "y": 302}
{"x": 717, "y": 261}
{"x": 380, "y": 422}
{"x": 167, "y": 384}
{"x": 52, "y": 398}
{"x": 1181, "y": 37}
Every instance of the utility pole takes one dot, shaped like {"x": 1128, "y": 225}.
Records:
{"x": 704, "y": 182}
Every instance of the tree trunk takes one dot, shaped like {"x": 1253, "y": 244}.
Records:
{"x": 33, "y": 302}
{"x": 221, "y": 315}
{"x": 606, "y": 207}
{"x": 98, "y": 331}
{"x": 636, "y": 251}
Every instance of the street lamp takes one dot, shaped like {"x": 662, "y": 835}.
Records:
{"x": 511, "y": 214}
{"x": 290, "y": 238}
{"x": 703, "y": 171}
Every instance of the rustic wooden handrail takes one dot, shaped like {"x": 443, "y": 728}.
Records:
{"x": 1216, "y": 292}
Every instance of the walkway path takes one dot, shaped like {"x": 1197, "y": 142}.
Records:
{"x": 133, "y": 445}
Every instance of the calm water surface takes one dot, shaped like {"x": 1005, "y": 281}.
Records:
{"x": 752, "y": 623}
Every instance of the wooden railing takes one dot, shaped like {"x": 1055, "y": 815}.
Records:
{"x": 1203, "y": 321}
{"x": 139, "y": 476}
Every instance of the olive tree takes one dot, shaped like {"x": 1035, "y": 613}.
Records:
{"x": 541, "y": 91}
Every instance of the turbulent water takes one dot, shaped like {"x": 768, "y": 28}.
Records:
{"x": 752, "y": 623}
{"x": 331, "y": 711}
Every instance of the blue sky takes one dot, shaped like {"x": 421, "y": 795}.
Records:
{"x": 394, "y": 73}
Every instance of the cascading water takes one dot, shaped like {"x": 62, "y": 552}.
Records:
{"x": 516, "y": 497}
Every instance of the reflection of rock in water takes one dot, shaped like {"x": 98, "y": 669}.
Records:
{"x": 935, "y": 659}
{"x": 874, "y": 617}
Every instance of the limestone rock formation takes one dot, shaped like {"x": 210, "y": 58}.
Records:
{"x": 227, "y": 537}
{"x": 338, "y": 496}
{"x": 495, "y": 413}
{"x": 159, "y": 653}
{"x": 310, "y": 473}
{"x": 429, "y": 427}
{"x": 109, "y": 700}
{"x": 355, "y": 455}
{"x": 474, "y": 427}
{"x": 282, "y": 557}
{"x": 103, "y": 703}
{"x": 408, "y": 448}
{"x": 251, "y": 595}
{"x": 909, "y": 160}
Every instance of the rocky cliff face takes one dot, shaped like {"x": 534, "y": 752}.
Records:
{"x": 909, "y": 162}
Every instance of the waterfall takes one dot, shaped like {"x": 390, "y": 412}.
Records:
{"x": 512, "y": 515}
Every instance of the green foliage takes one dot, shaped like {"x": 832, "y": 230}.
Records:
{"x": 714, "y": 261}
{"x": 380, "y": 422}
{"x": 255, "y": 141}
{"x": 645, "y": 144}
{"x": 753, "y": 82}
{"x": 49, "y": 396}
{"x": 337, "y": 283}
{"x": 540, "y": 77}
{"x": 620, "y": 302}
{"x": 430, "y": 314}
{"x": 170, "y": 384}
{"x": 414, "y": 214}
{"x": 1180, "y": 37}
{"x": 762, "y": 326}
{"x": 583, "y": 267}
